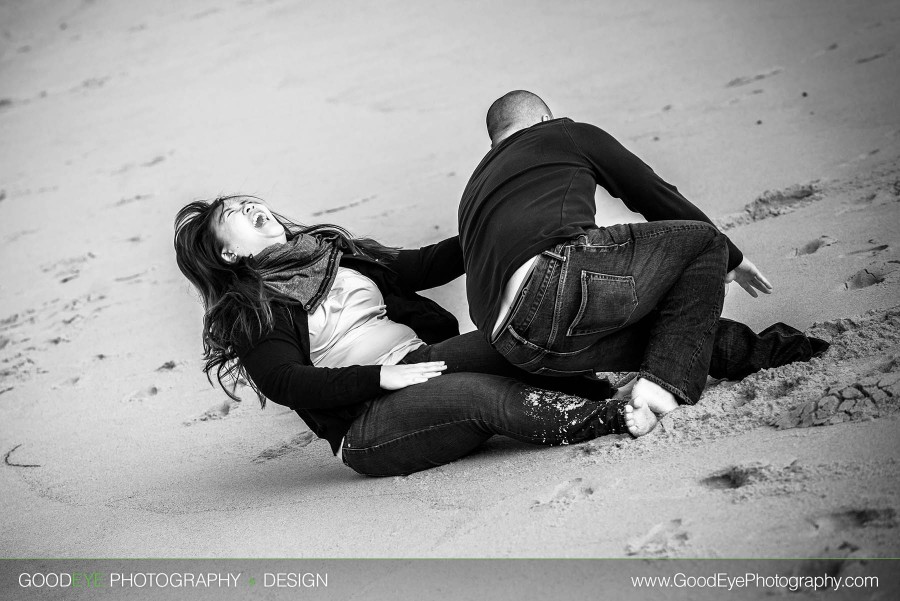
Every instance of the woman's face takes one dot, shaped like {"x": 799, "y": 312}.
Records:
{"x": 245, "y": 226}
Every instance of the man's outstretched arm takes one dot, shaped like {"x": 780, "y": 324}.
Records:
{"x": 628, "y": 178}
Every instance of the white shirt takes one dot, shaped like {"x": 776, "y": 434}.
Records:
{"x": 510, "y": 292}
{"x": 351, "y": 327}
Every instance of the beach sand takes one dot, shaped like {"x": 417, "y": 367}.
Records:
{"x": 778, "y": 119}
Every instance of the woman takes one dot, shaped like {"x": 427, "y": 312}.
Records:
{"x": 333, "y": 328}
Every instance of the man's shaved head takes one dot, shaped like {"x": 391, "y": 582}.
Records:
{"x": 517, "y": 109}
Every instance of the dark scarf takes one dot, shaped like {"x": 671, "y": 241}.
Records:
{"x": 303, "y": 268}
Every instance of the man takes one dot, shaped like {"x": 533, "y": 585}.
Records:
{"x": 556, "y": 295}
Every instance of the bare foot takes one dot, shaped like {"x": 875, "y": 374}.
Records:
{"x": 639, "y": 419}
{"x": 658, "y": 399}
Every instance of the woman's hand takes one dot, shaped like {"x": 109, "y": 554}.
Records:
{"x": 395, "y": 377}
{"x": 749, "y": 277}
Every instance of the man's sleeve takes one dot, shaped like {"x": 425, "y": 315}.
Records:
{"x": 628, "y": 178}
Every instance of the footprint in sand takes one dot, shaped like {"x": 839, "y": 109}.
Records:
{"x": 663, "y": 540}
{"x": 19, "y": 234}
{"x": 881, "y": 196}
{"x": 872, "y": 275}
{"x": 66, "y": 383}
{"x": 772, "y": 204}
{"x": 813, "y": 245}
{"x": 215, "y": 412}
{"x": 16, "y": 320}
{"x": 349, "y": 205}
{"x": 68, "y": 269}
{"x": 848, "y": 519}
{"x": 752, "y": 480}
{"x": 16, "y": 362}
{"x": 19, "y": 367}
{"x": 828, "y": 561}
{"x": 860, "y": 158}
{"x": 864, "y": 201}
{"x": 566, "y": 494}
{"x": 742, "y": 81}
{"x": 871, "y": 57}
{"x": 872, "y": 250}
{"x": 76, "y": 309}
{"x": 751, "y": 474}
{"x": 133, "y": 278}
{"x": 830, "y": 48}
{"x": 130, "y": 199}
{"x": 204, "y": 13}
{"x": 142, "y": 394}
{"x": 91, "y": 83}
{"x": 294, "y": 444}
{"x": 150, "y": 163}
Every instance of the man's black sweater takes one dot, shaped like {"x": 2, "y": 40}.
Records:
{"x": 536, "y": 189}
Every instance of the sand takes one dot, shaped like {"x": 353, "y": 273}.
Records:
{"x": 777, "y": 119}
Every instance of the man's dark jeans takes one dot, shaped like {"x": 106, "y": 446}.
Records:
{"x": 640, "y": 297}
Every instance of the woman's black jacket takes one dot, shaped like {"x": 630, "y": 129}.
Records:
{"x": 329, "y": 399}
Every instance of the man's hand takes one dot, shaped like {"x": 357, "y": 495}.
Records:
{"x": 395, "y": 377}
{"x": 750, "y": 278}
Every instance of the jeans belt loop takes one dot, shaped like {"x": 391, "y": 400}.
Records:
{"x": 554, "y": 255}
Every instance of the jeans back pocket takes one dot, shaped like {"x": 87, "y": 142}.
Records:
{"x": 607, "y": 302}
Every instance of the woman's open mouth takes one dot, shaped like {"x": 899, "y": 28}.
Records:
{"x": 259, "y": 219}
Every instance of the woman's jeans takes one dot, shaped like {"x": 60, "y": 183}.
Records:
{"x": 436, "y": 422}
{"x": 479, "y": 395}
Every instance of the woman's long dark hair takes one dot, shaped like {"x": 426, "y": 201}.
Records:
{"x": 238, "y": 305}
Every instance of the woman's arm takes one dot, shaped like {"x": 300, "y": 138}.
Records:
{"x": 429, "y": 266}
{"x": 280, "y": 368}
{"x": 282, "y": 371}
